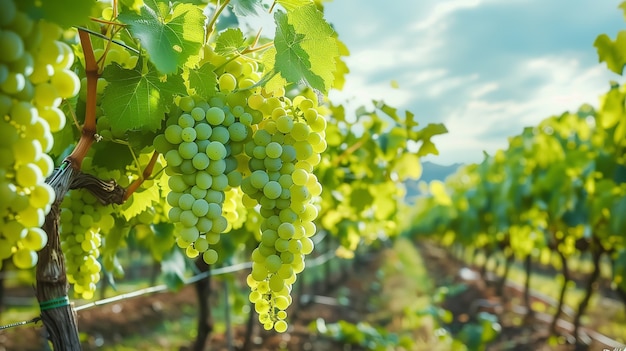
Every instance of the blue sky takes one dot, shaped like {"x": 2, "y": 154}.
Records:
{"x": 485, "y": 68}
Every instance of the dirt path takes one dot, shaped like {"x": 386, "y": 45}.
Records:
{"x": 518, "y": 332}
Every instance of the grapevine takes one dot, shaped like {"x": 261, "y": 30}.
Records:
{"x": 171, "y": 126}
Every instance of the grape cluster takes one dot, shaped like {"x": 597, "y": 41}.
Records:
{"x": 255, "y": 148}
{"x": 283, "y": 151}
{"x": 35, "y": 77}
{"x": 84, "y": 223}
{"x": 197, "y": 147}
{"x": 82, "y": 219}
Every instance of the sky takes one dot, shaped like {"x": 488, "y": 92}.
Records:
{"x": 484, "y": 68}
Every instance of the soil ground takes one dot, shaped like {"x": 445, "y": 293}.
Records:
{"x": 143, "y": 317}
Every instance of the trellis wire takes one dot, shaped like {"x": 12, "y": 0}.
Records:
{"x": 319, "y": 260}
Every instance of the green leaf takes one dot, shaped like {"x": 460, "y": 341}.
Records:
{"x": 163, "y": 241}
{"x": 139, "y": 201}
{"x": 388, "y": 110}
{"x": 169, "y": 34}
{"x": 360, "y": 199}
{"x": 618, "y": 223}
{"x": 409, "y": 119}
{"x": 271, "y": 80}
{"x": 306, "y": 50}
{"x": 135, "y": 100}
{"x": 111, "y": 155}
{"x": 230, "y": 41}
{"x": 173, "y": 269}
{"x": 342, "y": 68}
{"x": 66, "y": 13}
{"x": 201, "y": 81}
{"x": 611, "y": 108}
{"x": 425, "y": 134}
{"x": 612, "y": 52}
{"x": 244, "y": 8}
{"x": 408, "y": 166}
{"x": 291, "y": 5}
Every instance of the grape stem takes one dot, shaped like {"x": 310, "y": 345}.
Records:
{"x": 216, "y": 15}
{"x": 87, "y": 137}
{"x": 107, "y": 192}
{"x": 349, "y": 151}
{"x": 272, "y": 7}
{"x": 145, "y": 175}
{"x": 257, "y": 48}
{"x": 115, "y": 41}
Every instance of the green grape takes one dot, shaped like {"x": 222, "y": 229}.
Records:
{"x": 210, "y": 256}
{"x": 216, "y": 151}
{"x": 237, "y": 131}
{"x": 273, "y": 150}
{"x": 14, "y": 83}
{"x": 227, "y": 82}
{"x": 35, "y": 239}
{"x": 9, "y": 10}
{"x": 272, "y": 190}
{"x": 11, "y": 46}
{"x": 24, "y": 258}
{"x": 66, "y": 82}
{"x": 188, "y": 134}
{"x": 203, "y": 131}
{"x": 186, "y": 121}
{"x": 215, "y": 116}
{"x": 186, "y": 103}
{"x": 187, "y": 150}
{"x": 54, "y": 116}
{"x": 28, "y": 175}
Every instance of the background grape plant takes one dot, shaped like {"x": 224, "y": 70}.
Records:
{"x": 176, "y": 124}
{"x": 555, "y": 196}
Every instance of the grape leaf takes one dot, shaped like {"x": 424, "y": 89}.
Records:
{"x": 230, "y": 41}
{"x": 134, "y": 5}
{"x": 134, "y": 100}
{"x": 408, "y": 166}
{"x": 66, "y": 13}
{"x": 425, "y": 134}
{"x": 244, "y": 8}
{"x": 612, "y": 52}
{"x": 388, "y": 110}
{"x": 360, "y": 199}
{"x": 291, "y": 5}
{"x": 201, "y": 81}
{"x": 170, "y": 35}
{"x": 342, "y": 68}
{"x": 611, "y": 108}
{"x": 271, "y": 80}
{"x": 111, "y": 155}
{"x": 306, "y": 50}
{"x": 409, "y": 119}
{"x": 173, "y": 269}
{"x": 139, "y": 201}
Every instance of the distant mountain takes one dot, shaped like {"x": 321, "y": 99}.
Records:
{"x": 430, "y": 171}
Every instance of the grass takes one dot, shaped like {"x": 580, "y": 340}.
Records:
{"x": 406, "y": 298}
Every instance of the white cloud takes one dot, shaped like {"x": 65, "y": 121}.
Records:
{"x": 441, "y": 12}
{"x": 476, "y": 123}
{"x": 456, "y": 63}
